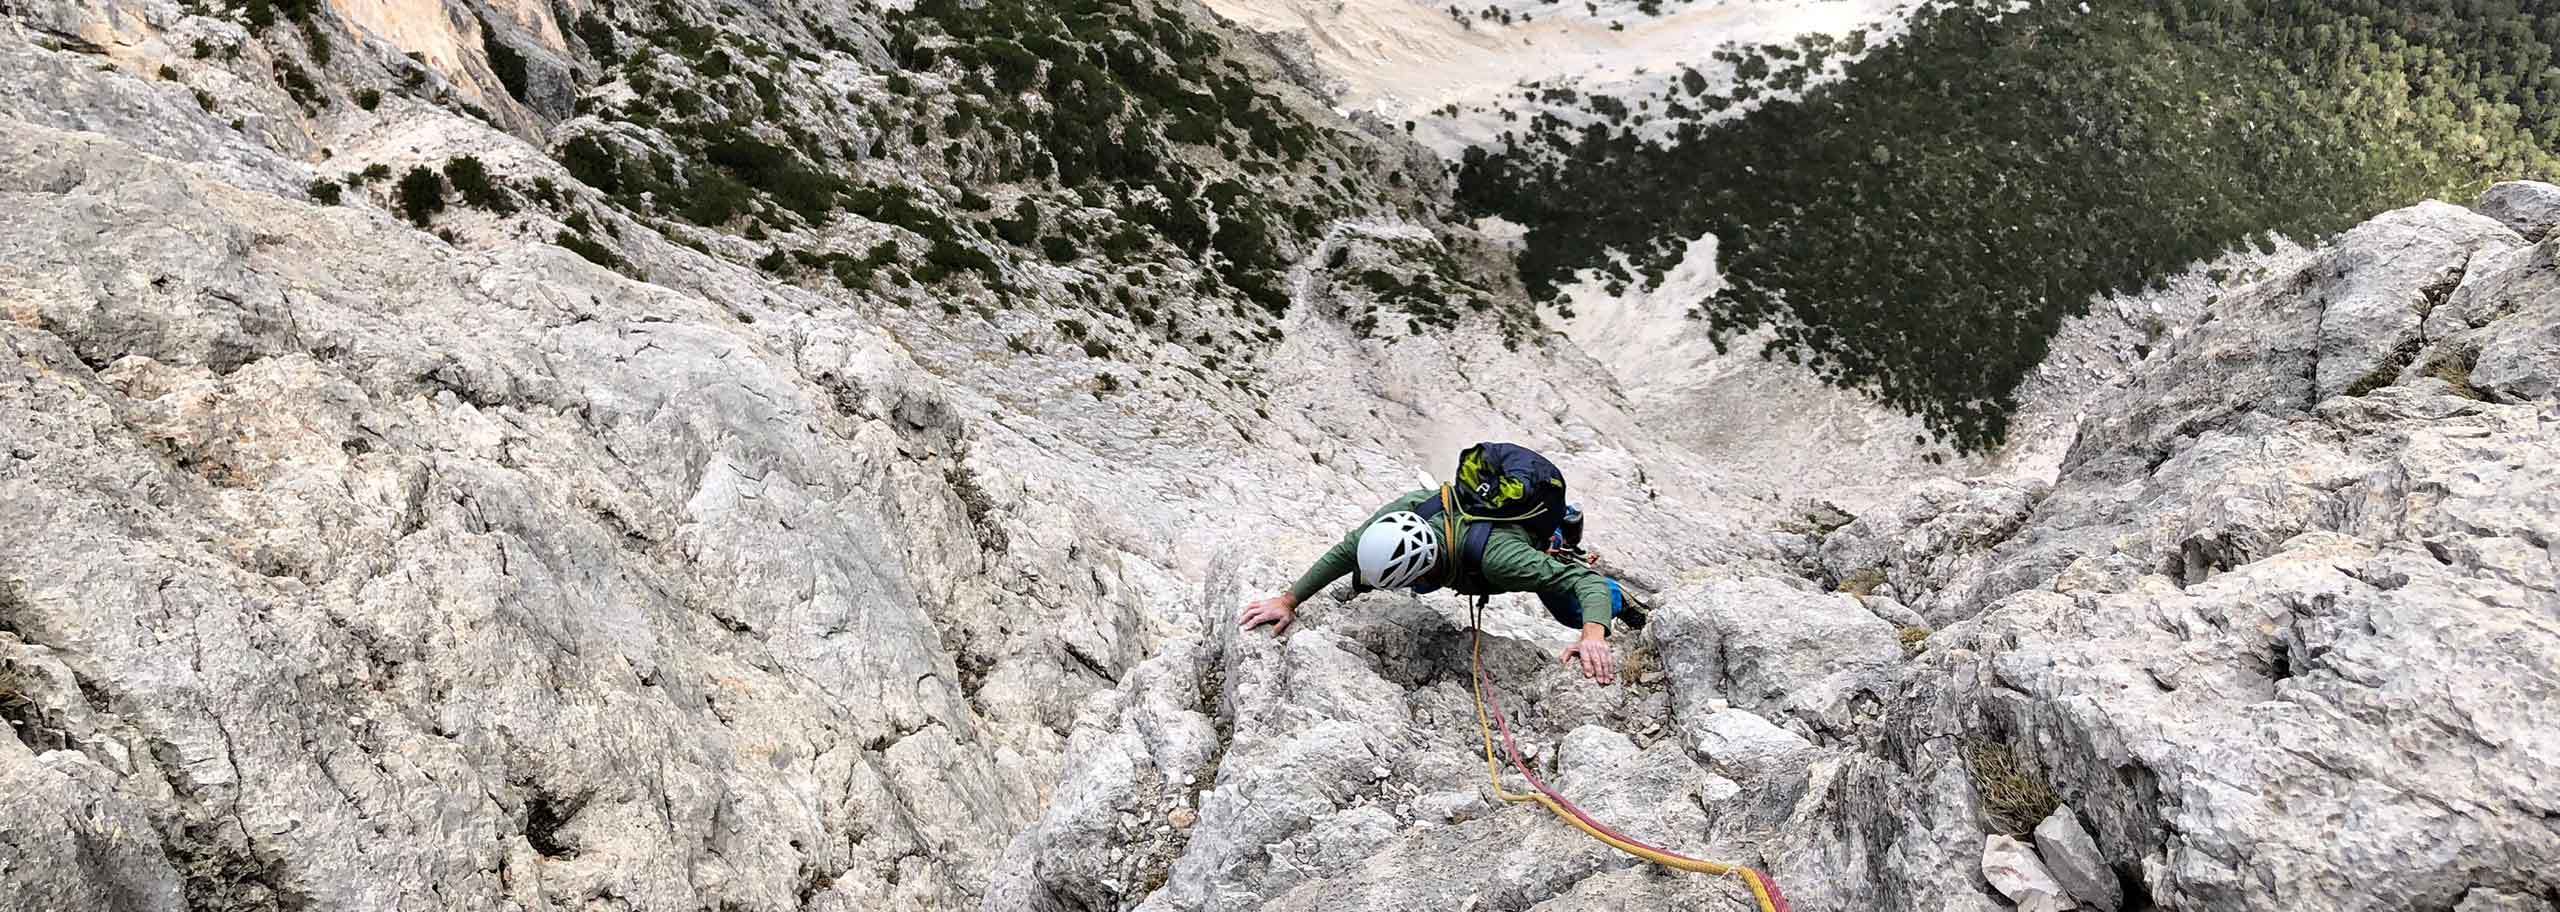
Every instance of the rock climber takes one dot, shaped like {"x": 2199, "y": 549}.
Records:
{"x": 1397, "y": 548}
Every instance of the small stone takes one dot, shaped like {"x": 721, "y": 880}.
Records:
{"x": 1182, "y": 818}
{"x": 1377, "y": 772}
{"x": 2073, "y": 858}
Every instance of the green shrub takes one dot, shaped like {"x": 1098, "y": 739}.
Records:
{"x": 369, "y": 99}
{"x": 471, "y": 179}
{"x": 713, "y": 198}
{"x": 1023, "y": 229}
{"x": 1058, "y": 249}
{"x": 1921, "y": 227}
{"x": 325, "y": 191}
{"x": 593, "y": 163}
{"x": 299, "y": 85}
{"x": 504, "y": 61}
{"x": 587, "y": 247}
{"x": 421, "y": 195}
{"x": 947, "y": 257}
{"x": 317, "y": 41}
{"x": 597, "y": 35}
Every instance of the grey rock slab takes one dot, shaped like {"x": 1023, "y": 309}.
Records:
{"x": 2376, "y": 286}
{"x": 2531, "y": 208}
{"x": 2072, "y": 856}
{"x": 1742, "y": 745}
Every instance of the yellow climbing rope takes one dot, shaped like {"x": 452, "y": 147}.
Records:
{"x": 1489, "y": 715}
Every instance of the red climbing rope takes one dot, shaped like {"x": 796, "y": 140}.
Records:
{"x": 1763, "y": 890}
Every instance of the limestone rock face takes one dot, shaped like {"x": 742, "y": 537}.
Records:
{"x": 2529, "y": 207}
{"x": 634, "y": 540}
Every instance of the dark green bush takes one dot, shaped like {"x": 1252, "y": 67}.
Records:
{"x": 421, "y": 195}
{"x": 471, "y": 179}
{"x": 593, "y": 163}
{"x": 325, "y": 191}
{"x": 504, "y": 61}
{"x": 589, "y": 248}
{"x": 1920, "y": 228}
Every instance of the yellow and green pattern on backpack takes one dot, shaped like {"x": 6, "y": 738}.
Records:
{"x": 1472, "y": 473}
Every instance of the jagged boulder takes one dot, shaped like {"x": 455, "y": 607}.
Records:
{"x": 2072, "y": 856}
{"x": 1815, "y": 662}
{"x": 2531, "y": 208}
{"x": 1918, "y": 545}
{"x": 2346, "y": 321}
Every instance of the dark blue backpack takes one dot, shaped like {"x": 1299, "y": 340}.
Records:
{"x": 1497, "y": 483}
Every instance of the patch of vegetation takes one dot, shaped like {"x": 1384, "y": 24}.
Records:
{"x": 1023, "y": 229}
{"x": 421, "y": 195}
{"x": 325, "y": 191}
{"x": 2454, "y": 367}
{"x": 504, "y": 61}
{"x": 369, "y": 99}
{"x": 471, "y": 179}
{"x": 298, "y": 84}
{"x": 594, "y": 251}
{"x": 597, "y": 35}
{"x": 261, "y": 14}
{"x": 1920, "y": 228}
{"x": 1863, "y": 583}
{"x": 2015, "y": 796}
{"x": 317, "y": 41}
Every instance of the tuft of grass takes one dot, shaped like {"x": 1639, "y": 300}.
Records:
{"x": 1914, "y": 640}
{"x": 2015, "y": 796}
{"x": 1863, "y": 583}
{"x": 2454, "y": 367}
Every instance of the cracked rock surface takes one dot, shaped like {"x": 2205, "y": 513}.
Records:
{"x": 355, "y": 565}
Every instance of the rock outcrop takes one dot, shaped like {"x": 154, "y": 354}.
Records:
{"x": 842, "y": 511}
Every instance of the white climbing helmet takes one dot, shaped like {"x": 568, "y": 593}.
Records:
{"x": 1398, "y": 550}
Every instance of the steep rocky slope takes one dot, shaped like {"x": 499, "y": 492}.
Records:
{"x": 2281, "y": 635}
{"x": 633, "y": 532}
{"x": 1467, "y": 74}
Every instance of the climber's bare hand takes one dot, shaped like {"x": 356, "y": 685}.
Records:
{"x": 1592, "y": 653}
{"x": 1280, "y": 611}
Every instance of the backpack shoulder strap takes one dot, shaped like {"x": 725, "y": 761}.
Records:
{"x": 1471, "y": 552}
{"x": 1462, "y": 540}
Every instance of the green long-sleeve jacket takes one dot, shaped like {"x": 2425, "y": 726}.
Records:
{"x": 1512, "y": 563}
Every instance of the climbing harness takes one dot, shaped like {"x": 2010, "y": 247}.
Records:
{"x": 1763, "y": 890}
